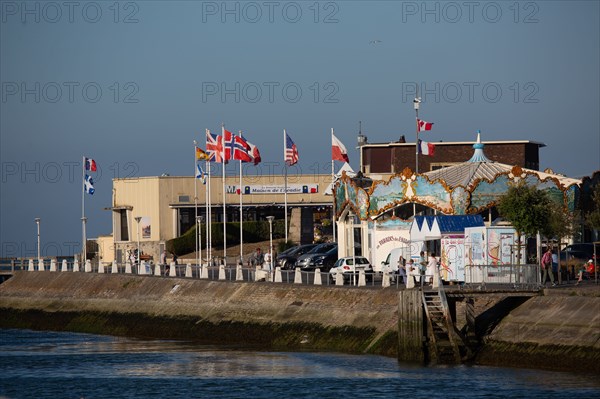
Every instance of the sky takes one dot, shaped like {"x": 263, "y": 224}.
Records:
{"x": 132, "y": 84}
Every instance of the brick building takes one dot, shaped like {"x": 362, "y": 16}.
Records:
{"x": 380, "y": 160}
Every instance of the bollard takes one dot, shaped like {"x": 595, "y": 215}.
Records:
{"x": 361, "y": 278}
{"x": 30, "y": 266}
{"x": 41, "y": 265}
{"x": 142, "y": 267}
{"x": 259, "y": 274}
{"x": 53, "y": 265}
{"x": 277, "y": 277}
{"x": 239, "y": 276}
{"x": 410, "y": 281}
{"x": 297, "y": 276}
{"x": 436, "y": 282}
{"x": 148, "y": 268}
{"x": 385, "y": 280}
{"x": 64, "y": 267}
{"x": 317, "y": 276}
{"x": 204, "y": 271}
{"x": 222, "y": 272}
{"x": 157, "y": 270}
{"x": 114, "y": 268}
{"x": 188, "y": 271}
{"x": 88, "y": 266}
{"x": 76, "y": 265}
{"x": 339, "y": 279}
{"x": 100, "y": 268}
{"x": 128, "y": 267}
{"x": 173, "y": 270}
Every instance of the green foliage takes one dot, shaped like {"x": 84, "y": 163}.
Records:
{"x": 527, "y": 209}
{"x": 283, "y": 245}
{"x": 592, "y": 218}
{"x": 253, "y": 232}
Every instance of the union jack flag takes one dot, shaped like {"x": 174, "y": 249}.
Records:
{"x": 214, "y": 147}
{"x": 291, "y": 152}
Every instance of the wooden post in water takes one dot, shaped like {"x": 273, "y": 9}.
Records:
{"x": 410, "y": 326}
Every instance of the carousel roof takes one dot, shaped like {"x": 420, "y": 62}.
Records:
{"x": 479, "y": 167}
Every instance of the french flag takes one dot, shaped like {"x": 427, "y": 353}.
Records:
{"x": 90, "y": 165}
{"x": 426, "y": 148}
{"x": 424, "y": 125}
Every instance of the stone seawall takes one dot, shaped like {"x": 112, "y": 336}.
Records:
{"x": 273, "y": 316}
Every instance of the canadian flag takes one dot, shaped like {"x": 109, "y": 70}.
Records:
{"x": 424, "y": 125}
{"x": 426, "y": 148}
{"x": 338, "y": 150}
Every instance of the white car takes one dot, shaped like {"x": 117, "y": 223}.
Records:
{"x": 349, "y": 270}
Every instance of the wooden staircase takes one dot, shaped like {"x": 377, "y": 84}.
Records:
{"x": 442, "y": 337}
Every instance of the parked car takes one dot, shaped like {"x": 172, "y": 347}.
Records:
{"x": 304, "y": 261}
{"x": 349, "y": 270}
{"x": 287, "y": 260}
{"x": 323, "y": 261}
{"x": 577, "y": 253}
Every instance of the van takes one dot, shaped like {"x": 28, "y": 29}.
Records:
{"x": 390, "y": 264}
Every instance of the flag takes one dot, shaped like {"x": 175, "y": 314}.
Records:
{"x": 214, "y": 147}
{"x": 200, "y": 174}
{"x": 338, "y": 150}
{"x": 291, "y": 152}
{"x": 241, "y": 149}
{"x": 90, "y": 165}
{"x": 228, "y": 141}
{"x": 88, "y": 186}
{"x": 426, "y": 148}
{"x": 254, "y": 153}
{"x": 201, "y": 155}
{"x": 424, "y": 125}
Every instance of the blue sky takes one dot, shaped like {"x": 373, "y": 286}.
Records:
{"x": 131, "y": 85}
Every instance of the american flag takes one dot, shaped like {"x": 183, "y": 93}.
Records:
{"x": 214, "y": 148}
{"x": 291, "y": 152}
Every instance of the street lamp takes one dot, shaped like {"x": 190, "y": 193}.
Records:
{"x": 37, "y": 221}
{"x": 138, "y": 219}
{"x": 270, "y": 219}
{"x": 199, "y": 220}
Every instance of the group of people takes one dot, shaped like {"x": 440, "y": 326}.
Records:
{"x": 258, "y": 258}
{"x": 424, "y": 269}
{"x": 549, "y": 265}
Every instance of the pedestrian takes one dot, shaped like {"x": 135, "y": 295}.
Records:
{"x": 163, "y": 261}
{"x": 402, "y": 269}
{"x": 547, "y": 267}
{"x": 431, "y": 266}
{"x": 267, "y": 261}
{"x": 257, "y": 258}
{"x": 555, "y": 263}
{"x": 412, "y": 270}
{"x": 422, "y": 266}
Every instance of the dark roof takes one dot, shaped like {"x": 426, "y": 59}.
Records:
{"x": 451, "y": 223}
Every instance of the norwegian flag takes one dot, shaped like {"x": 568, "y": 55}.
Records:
{"x": 291, "y": 151}
{"x": 241, "y": 149}
{"x": 424, "y": 125}
{"x": 214, "y": 147}
{"x": 228, "y": 142}
{"x": 90, "y": 165}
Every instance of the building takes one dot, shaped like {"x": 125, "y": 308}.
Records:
{"x": 166, "y": 207}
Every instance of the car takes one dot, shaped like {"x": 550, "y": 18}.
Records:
{"x": 287, "y": 260}
{"x": 349, "y": 271}
{"x": 305, "y": 261}
{"x": 323, "y": 261}
{"x": 577, "y": 253}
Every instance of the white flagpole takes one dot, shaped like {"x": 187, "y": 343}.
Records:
{"x": 241, "y": 216}
{"x": 83, "y": 232}
{"x": 206, "y": 210}
{"x": 224, "y": 200}
{"x": 285, "y": 184}
{"x": 333, "y": 221}
{"x": 209, "y": 213}
{"x": 196, "y": 200}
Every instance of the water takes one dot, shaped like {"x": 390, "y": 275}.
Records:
{"x": 36, "y": 364}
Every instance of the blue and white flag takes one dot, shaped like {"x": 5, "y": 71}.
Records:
{"x": 200, "y": 174}
{"x": 89, "y": 185}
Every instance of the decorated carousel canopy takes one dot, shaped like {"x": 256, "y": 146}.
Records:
{"x": 467, "y": 188}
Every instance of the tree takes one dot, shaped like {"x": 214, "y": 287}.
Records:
{"x": 528, "y": 209}
{"x": 592, "y": 218}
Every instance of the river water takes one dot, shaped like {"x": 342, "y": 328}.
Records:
{"x": 41, "y": 364}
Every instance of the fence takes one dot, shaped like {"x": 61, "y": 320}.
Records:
{"x": 522, "y": 276}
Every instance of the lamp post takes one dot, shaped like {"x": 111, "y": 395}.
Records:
{"x": 138, "y": 219}
{"x": 270, "y": 219}
{"x": 199, "y": 220}
{"x": 39, "y": 253}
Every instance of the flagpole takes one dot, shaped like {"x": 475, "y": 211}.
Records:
{"x": 207, "y": 211}
{"x": 83, "y": 220}
{"x": 241, "y": 217}
{"x": 196, "y": 198}
{"x": 224, "y": 200}
{"x": 285, "y": 185}
{"x": 333, "y": 221}
{"x": 416, "y": 103}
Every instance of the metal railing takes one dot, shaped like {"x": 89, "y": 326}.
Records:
{"x": 526, "y": 276}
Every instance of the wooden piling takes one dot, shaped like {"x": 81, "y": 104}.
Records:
{"x": 410, "y": 326}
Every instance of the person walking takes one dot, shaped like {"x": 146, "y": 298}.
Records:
{"x": 402, "y": 269}
{"x": 431, "y": 267}
{"x": 547, "y": 267}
